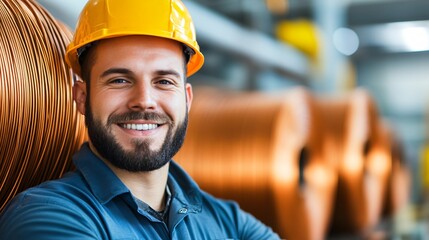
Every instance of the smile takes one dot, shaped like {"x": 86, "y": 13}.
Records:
{"x": 139, "y": 127}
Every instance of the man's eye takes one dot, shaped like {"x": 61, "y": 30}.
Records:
{"x": 164, "y": 82}
{"x": 119, "y": 80}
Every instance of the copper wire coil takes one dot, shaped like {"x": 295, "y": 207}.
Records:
{"x": 399, "y": 179}
{"x": 364, "y": 164}
{"x": 39, "y": 124}
{"x": 264, "y": 152}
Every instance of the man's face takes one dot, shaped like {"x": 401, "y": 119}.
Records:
{"x": 137, "y": 104}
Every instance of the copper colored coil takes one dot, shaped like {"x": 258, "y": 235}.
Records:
{"x": 399, "y": 181}
{"x": 363, "y": 164}
{"x": 38, "y": 118}
{"x": 250, "y": 147}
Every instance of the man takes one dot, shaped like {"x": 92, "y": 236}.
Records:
{"x": 134, "y": 57}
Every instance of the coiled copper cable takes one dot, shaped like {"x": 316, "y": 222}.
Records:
{"x": 399, "y": 181}
{"x": 264, "y": 152}
{"x": 39, "y": 125}
{"x": 363, "y": 167}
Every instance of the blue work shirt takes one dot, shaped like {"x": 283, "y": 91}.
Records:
{"x": 93, "y": 203}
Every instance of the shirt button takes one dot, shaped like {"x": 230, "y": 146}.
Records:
{"x": 183, "y": 210}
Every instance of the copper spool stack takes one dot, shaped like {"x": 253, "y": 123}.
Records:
{"x": 264, "y": 152}
{"x": 363, "y": 166}
{"x": 399, "y": 180}
{"x": 39, "y": 126}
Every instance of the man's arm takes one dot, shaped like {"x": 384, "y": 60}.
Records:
{"x": 44, "y": 221}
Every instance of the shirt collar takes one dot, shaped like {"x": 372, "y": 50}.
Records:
{"x": 105, "y": 185}
{"x": 184, "y": 188}
{"x": 101, "y": 179}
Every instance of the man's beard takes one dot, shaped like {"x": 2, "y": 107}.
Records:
{"x": 141, "y": 158}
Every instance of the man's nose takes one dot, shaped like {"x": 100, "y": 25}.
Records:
{"x": 142, "y": 98}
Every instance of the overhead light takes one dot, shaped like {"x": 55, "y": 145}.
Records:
{"x": 415, "y": 38}
{"x": 409, "y": 36}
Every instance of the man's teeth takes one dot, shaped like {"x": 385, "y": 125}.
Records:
{"x": 140, "y": 127}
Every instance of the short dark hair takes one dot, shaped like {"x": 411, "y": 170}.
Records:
{"x": 188, "y": 52}
{"x": 86, "y": 59}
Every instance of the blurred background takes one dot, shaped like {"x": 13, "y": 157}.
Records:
{"x": 329, "y": 48}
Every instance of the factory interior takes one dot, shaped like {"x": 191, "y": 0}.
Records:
{"x": 311, "y": 114}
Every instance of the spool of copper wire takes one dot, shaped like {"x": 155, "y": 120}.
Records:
{"x": 399, "y": 180}
{"x": 264, "y": 152}
{"x": 39, "y": 125}
{"x": 363, "y": 167}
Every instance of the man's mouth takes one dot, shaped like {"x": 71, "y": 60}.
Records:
{"x": 138, "y": 127}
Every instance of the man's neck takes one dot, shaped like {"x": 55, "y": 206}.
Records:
{"x": 148, "y": 187}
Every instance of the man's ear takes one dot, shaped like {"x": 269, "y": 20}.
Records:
{"x": 189, "y": 95}
{"x": 79, "y": 95}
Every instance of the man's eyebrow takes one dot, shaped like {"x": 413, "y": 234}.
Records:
{"x": 127, "y": 71}
{"x": 168, "y": 72}
{"x": 116, "y": 70}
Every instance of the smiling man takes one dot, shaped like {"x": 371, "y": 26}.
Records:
{"x": 141, "y": 100}
{"x": 133, "y": 57}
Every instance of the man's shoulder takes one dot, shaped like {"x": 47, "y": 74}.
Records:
{"x": 51, "y": 204}
{"x": 59, "y": 193}
{"x": 232, "y": 219}
{"x": 227, "y": 208}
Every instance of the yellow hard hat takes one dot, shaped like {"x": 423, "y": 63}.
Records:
{"x": 101, "y": 19}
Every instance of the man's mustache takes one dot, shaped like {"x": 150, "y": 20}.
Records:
{"x": 130, "y": 116}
